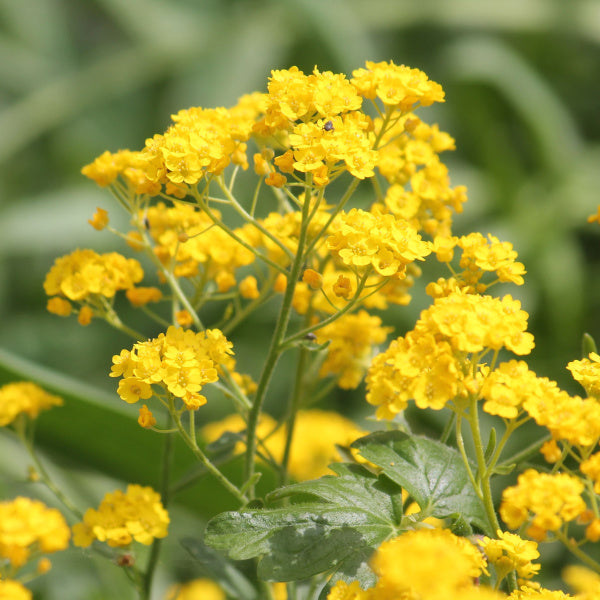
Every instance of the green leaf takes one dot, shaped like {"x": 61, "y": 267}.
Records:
{"x": 432, "y": 473}
{"x": 335, "y": 531}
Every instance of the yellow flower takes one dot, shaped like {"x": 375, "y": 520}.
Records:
{"x": 511, "y": 553}
{"x": 24, "y": 397}
{"x": 183, "y": 318}
{"x": 132, "y": 389}
{"x": 472, "y": 323}
{"x": 85, "y": 315}
{"x": 587, "y": 372}
{"x": 528, "y": 593}
{"x": 146, "y": 418}
{"x": 59, "y": 306}
{"x": 416, "y": 367}
{"x": 198, "y": 589}
{"x": 312, "y": 278}
{"x": 136, "y": 515}
{"x": 27, "y": 526}
{"x": 350, "y": 591}
{"x": 591, "y": 468}
{"x": 249, "y": 288}
{"x": 139, "y": 296}
{"x": 100, "y": 219}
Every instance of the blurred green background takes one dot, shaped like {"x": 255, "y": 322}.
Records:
{"x": 77, "y": 77}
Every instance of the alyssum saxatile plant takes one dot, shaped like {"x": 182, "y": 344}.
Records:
{"x": 396, "y": 515}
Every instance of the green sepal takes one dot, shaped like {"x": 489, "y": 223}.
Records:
{"x": 588, "y": 345}
{"x": 491, "y": 445}
{"x": 504, "y": 469}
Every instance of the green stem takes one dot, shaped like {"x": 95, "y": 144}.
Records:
{"x": 250, "y": 219}
{"x": 211, "y": 468}
{"x": 483, "y": 474}
{"x": 167, "y": 459}
{"x": 524, "y": 454}
{"x": 291, "y": 420}
{"x": 276, "y": 348}
{"x": 460, "y": 442}
{"x": 577, "y": 551}
{"x": 204, "y": 206}
{"x": 27, "y": 441}
{"x": 353, "y": 303}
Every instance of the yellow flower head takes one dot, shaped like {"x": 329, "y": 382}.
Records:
{"x": 363, "y": 239}
{"x": 511, "y": 553}
{"x": 472, "y": 323}
{"x": 428, "y": 564}
{"x": 546, "y": 500}
{"x": 27, "y": 526}
{"x": 85, "y": 273}
{"x": 510, "y": 385}
{"x": 397, "y": 86}
{"x": 24, "y": 397}
{"x": 416, "y": 367}
{"x": 180, "y": 361}
{"x": 123, "y": 517}
{"x": 587, "y": 372}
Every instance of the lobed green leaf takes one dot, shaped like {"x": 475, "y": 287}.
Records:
{"x": 433, "y": 474}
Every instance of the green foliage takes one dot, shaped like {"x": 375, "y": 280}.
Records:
{"x": 335, "y": 533}
{"x": 431, "y": 472}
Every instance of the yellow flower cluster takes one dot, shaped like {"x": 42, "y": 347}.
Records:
{"x": 85, "y": 277}
{"x": 430, "y": 364}
{"x": 362, "y": 239}
{"x": 428, "y": 564}
{"x": 511, "y": 386}
{"x": 508, "y": 552}
{"x": 479, "y": 256}
{"x": 24, "y": 397}
{"x": 397, "y": 86}
{"x": 544, "y": 501}
{"x": 316, "y": 435}
{"x": 180, "y": 361}
{"x": 473, "y": 323}
{"x": 28, "y": 527}
{"x": 587, "y": 372}
{"x": 185, "y": 239}
{"x": 200, "y": 142}
{"x": 351, "y": 339}
{"x": 123, "y": 517}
